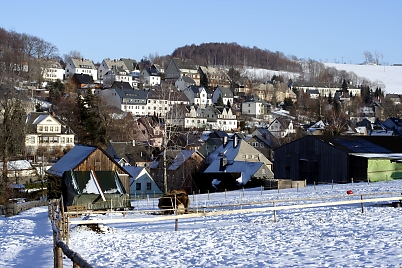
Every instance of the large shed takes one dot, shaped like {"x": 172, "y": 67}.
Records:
{"x": 340, "y": 159}
{"x": 89, "y": 164}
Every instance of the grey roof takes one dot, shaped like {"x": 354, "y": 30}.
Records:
{"x": 123, "y": 85}
{"x": 130, "y": 63}
{"x": 188, "y": 80}
{"x": 83, "y": 63}
{"x": 185, "y": 64}
{"x": 133, "y": 94}
{"x": 362, "y": 144}
{"x": 126, "y": 150}
{"x": 71, "y": 160}
{"x": 227, "y": 91}
{"x": 115, "y": 63}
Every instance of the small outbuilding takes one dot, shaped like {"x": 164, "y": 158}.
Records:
{"x": 340, "y": 159}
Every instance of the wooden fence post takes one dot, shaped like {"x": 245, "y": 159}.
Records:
{"x": 361, "y": 198}
{"x": 274, "y": 213}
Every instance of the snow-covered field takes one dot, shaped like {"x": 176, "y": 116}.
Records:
{"x": 340, "y": 236}
{"x": 390, "y": 76}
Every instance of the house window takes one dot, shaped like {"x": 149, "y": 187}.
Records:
{"x": 32, "y": 140}
{"x": 138, "y": 186}
{"x": 46, "y": 128}
{"x": 261, "y": 145}
{"x": 149, "y": 186}
{"x": 40, "y": 128}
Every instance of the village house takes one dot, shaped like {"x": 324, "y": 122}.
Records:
{"x": 132, "y": 153}
{"x": 216, "y": 77}
{"x": 181, "y": 164}
{"x": 150, "y": 76}
{"x": 52, "y": 71}
{"x": 141, "y": 183}
{"x": 255, "y": 107}
{"x": 45, "y": 133}
{"x": 212, "y": 142}
{"x": 325, "y": 89}
{"x": 194, "y": 118}
{"x": 235, "y": 156}
{"x": 219, "y": 118}
{"x": 107, "y": 65}
{"x": 224, "y": 93}
{"x": 184, "y": 82}
{"x": 199, "y": 96}
{"x": 182, "y": 67}
{"x": 118, "y": 74}
{"x": 159, "y": 102}
{"x": 129, "y": 100}
{"x": 80, "y": 66}
{"x": 281, "y": 127}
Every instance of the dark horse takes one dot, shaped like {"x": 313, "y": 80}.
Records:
{"x": 175, "y": 199}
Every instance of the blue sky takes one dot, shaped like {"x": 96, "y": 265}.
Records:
{"x": 323, "y": 30}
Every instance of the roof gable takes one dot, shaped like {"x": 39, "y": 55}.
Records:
{"x": 71, "y": 160}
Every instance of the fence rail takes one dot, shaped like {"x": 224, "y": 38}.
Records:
{"x": 60, "y": 227}
{"x": 273, "y": 208}
{"x": 13, "y": 209}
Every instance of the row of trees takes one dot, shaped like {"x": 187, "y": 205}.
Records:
{"x": 232, "y": 54}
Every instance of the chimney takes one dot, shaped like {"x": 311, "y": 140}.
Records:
{"x": 235, "y": 141}
{"x": 223, "y": 163}
{"x": 225, "y": 140}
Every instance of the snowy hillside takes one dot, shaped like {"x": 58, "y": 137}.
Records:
{"x": 340, "y": 236}
{"x": 390, "y": 76}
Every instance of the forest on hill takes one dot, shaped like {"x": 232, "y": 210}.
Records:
{"x": 234, "y": 55}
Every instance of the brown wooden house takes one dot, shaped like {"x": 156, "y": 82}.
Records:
{"x": 83, "y": 158}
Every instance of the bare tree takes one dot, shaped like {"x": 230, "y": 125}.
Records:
{"x": 368, "y": 57}
{"x": 12, "y": 136}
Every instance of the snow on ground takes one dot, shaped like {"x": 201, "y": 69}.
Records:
{"x": 26, "y": 239}
{"x": 390, "y": 76}
{"x": 339, "y": 236}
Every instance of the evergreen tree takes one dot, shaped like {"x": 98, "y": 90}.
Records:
{"x": 204, "y": 81}
{"x": 330, "y": 98}
{"x": 344, "y": 86}
{"x": 92, "y": 121}
{"x": 219, "y": 102}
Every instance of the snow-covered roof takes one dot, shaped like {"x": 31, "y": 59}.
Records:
{"x": 247, "y": 169}
{"x": 133, "y": 171}
{"x": 17, "y": 165}
{"x": 71, "y": 160}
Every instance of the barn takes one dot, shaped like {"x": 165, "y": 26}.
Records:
{"x": 340, "y": 159}
{"x": 88, "y": 176}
